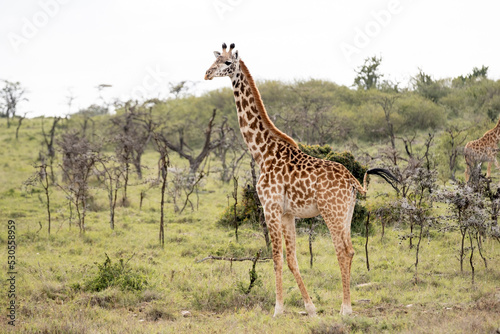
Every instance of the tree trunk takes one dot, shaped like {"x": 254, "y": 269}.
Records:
{"x": 463, "y": 231}
{"x": 162, "y": 205}
{"x": 417, "y": 251}
{"x": 311, "y": 231}
{"x": 366, "y": 242}
{"x": 471, "y": 256}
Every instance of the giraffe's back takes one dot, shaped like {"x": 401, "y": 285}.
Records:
{"x": 304, "y": 180}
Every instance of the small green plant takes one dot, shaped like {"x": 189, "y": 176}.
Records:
{"x": 254, "y": 277}
{"x": 116, "y": 274}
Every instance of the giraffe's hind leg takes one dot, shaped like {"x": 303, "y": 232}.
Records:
{"x": 288, "y": 224}
{"x": 339, "y": 223}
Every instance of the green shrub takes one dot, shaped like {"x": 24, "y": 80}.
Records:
{"x": 246, "y": 210}
{"x": 345, "y": 158}
{"x": 117, "y": 275}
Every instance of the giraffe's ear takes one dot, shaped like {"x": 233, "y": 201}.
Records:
{"x": 216, "y": 54}
{"x": 235, "y": 55}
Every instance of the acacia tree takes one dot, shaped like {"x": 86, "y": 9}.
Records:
{"x": 429, "y": 88}
{"x": 12, "y": 94}
{"x": 209, "y": 145}
{"x": 452, "y": 144}
{"x": 132, "y": 131}
{"x": 469, "y": 215}
{"x": 113, "y": 173}
{"x": 417, "y": 206}
{"x": 368, "y": 75}
{"x": 386, "y": 102}
{"x": 79, "y": 159}
{"x": 412, "y": 182}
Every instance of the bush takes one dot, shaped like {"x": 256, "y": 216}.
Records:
{"x": 345, "y": 158}
{"x": 116, "y": 275}
{"x": 246, "y": 211}
{"x": 421, "y": 114}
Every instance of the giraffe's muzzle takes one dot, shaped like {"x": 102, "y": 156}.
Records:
{"x": 208, "y": 75}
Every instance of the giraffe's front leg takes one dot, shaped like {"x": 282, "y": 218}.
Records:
{"x": 273, "y": 211}
{"x": 274, "y": 227}
{"x": 288, "y": 223}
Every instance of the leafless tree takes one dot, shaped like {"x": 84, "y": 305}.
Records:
{"x": 41, "y": 178}
{"x": 453, "y": 144}
{"x": 386, "y": 102}
{"x": 310, "y": 119}
{"x": 468, "y": 212}
{"x": 48, "y": 139}
{"x": 181, "y": 186}
{"x": 208, "y": 146}
{"x": 19, "y": 123}
{"x": 113, "y": 173}
{"x": 230, "y": 152}
{"x": 149, "y": 184}
{"x": 79, "y": 159}
{"x": 132, "y": 132}
{"x": 12, "y": 94}
{"x": 163, "y": 164}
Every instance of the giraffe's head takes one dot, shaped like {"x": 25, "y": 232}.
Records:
{"x": 224, "y": 65}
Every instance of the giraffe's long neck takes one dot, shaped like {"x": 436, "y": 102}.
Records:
{"x": 496, "y": 131}
{"x": 259, "y": 133}
{"x": 493, "y": 136}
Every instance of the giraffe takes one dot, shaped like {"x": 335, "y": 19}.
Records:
{"x": 292, "y": 184}
{"x": 482, "y": 150}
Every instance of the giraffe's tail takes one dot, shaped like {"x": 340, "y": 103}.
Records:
{"x": 383, "y": 173}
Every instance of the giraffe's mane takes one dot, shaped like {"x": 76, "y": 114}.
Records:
{"x": 491, "y": 131}
{"x": 262, "y": 110}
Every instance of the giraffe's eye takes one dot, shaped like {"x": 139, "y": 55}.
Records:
{"x": 228, "y": 63}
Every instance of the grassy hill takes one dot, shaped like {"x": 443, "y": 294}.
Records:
{"x": 57, "y": 274}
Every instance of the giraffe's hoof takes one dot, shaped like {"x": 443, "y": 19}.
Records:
{"x": 311, "y": 310}
{"x": 278, "y": 310}
{"x": 345, "y": 310}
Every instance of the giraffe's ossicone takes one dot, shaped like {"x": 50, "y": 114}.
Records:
{"x": 292, "y": 183}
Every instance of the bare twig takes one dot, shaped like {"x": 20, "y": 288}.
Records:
{"x": 232, "y": 259}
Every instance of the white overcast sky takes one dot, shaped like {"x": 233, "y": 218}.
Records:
{"x": 54, "y": 47}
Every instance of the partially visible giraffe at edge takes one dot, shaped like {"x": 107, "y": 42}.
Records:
{"x": 292, "y": 183}
{"x": 484, "y": 149}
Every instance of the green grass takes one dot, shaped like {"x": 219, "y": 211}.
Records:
{"x": 53, "y": 269}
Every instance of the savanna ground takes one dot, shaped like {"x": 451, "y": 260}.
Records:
{"x": 52, "y": 271}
